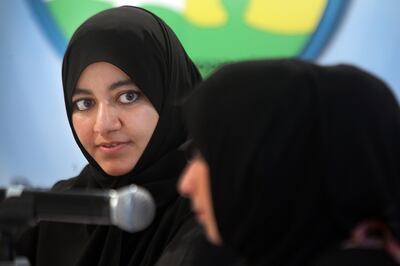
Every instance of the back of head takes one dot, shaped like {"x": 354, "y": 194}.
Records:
{"x": 360, "y": 125}
{"x": 298, "y": 155}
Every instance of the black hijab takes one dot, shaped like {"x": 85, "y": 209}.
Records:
{"x": 298, "y": 155}
{"x": 146, "y": 49}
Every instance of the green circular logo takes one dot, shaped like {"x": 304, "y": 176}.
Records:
{"x": 215, "y": 31}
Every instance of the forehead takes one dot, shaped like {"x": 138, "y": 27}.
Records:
{"x": 100, "y": 73}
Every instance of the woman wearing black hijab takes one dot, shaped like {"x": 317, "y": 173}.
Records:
{"x": 300, "y": 164}
{"x": 123, "y": 71}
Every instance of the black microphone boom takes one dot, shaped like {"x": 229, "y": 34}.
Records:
{"x": 130, "y": 208}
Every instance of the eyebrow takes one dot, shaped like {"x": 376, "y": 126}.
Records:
{"x": 113, "y": 86}
{"x": 120, "y": 83}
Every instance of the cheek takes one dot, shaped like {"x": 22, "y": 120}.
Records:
{"x": 187, "y": 184}
{"x": 204, "y": 188}
{"x": 142, "y": 122}
{"x": 205, "y": 194}
{"x": 82, "y": 128}
{"x": 198, "y": 180}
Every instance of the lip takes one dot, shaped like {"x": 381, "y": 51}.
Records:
{"x": 112, "y": 147}
{"x": 199, "y": 216}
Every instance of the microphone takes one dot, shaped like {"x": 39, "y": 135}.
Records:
{"x": 130, "y": 208}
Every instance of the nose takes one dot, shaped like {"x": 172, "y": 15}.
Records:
{"x": 107, "y": 119}
{"x": 186, "y": 184}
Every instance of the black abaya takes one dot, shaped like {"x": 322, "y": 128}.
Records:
{"x": 146, "y": 49}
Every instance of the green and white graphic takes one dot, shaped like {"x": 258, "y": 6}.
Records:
{"x": 215, "y": 31}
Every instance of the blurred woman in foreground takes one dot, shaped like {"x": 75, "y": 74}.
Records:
{"x": 296, "y": 164}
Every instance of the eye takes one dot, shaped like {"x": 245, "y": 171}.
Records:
{"x": 129, "y": 97}
{"x": 83, "y": 104}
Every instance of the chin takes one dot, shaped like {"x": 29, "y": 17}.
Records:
{"x": 213, "y": 240}
{"x": 114, "y": 170}
{"x": 213, "y": 236}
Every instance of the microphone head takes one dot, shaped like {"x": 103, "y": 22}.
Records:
{"x": 132, "y": 208}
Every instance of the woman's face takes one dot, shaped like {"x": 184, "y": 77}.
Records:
{"x": 194, "y": 184}
{"x": 112, "y": 117}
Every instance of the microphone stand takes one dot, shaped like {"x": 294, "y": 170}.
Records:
{"x": 16, "y": 215}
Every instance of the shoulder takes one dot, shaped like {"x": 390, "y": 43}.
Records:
{"x": 189, "y": 247}
{"x": 64, "y": 184}
{"x": 355, "y": 256}
{"x": 78, "y": 181}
